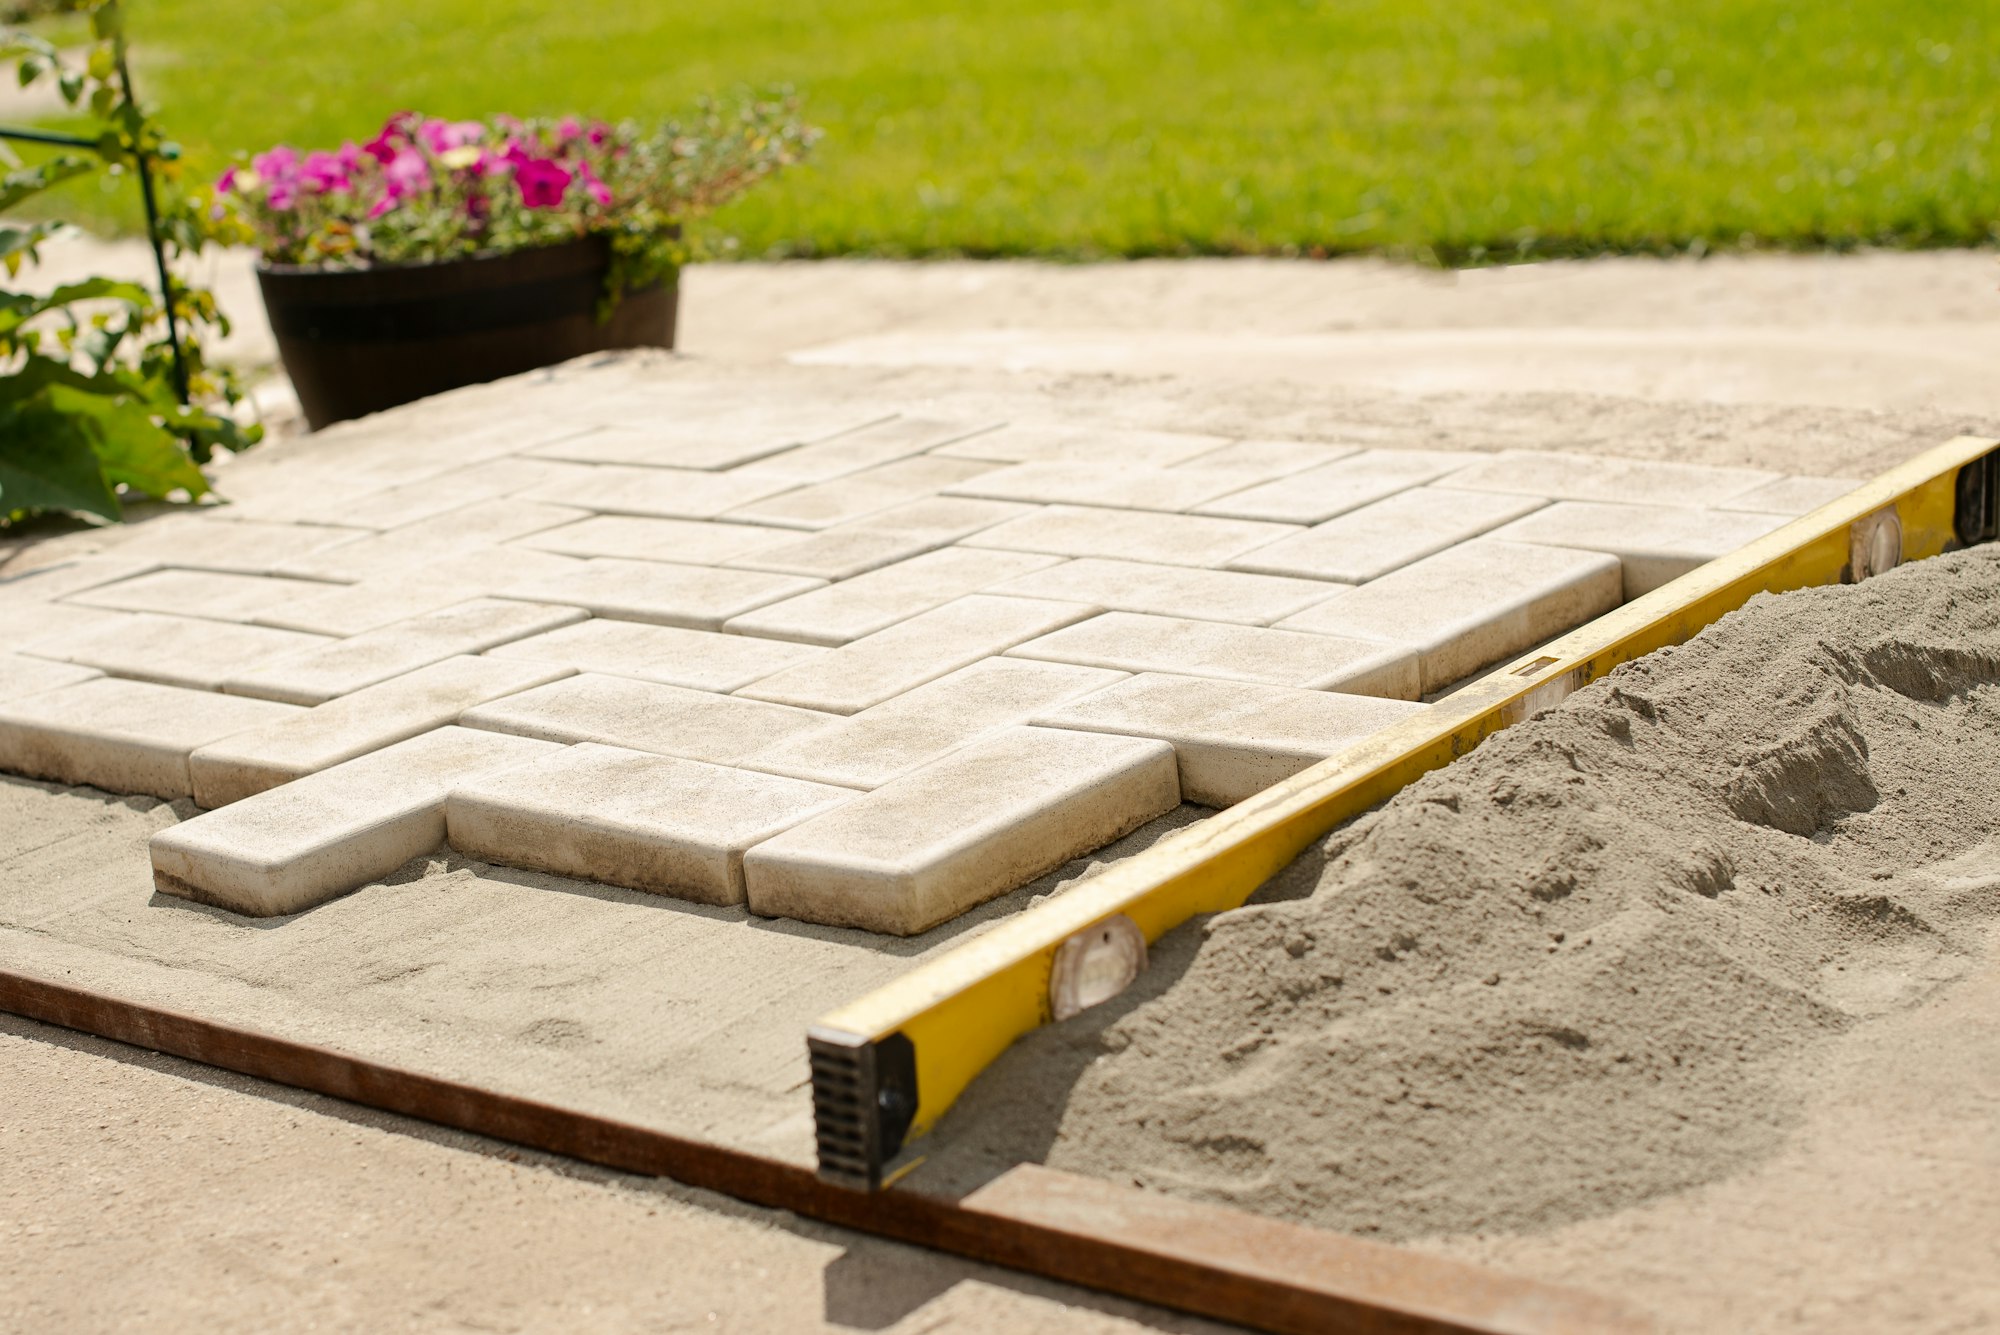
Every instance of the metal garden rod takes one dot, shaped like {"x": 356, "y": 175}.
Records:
{"x": 152, "y": 219}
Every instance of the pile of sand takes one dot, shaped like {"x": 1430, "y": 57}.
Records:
{"x": 1570, "y": 972}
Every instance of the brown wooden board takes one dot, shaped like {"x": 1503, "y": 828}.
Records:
{"x": 1205, "y": 1259}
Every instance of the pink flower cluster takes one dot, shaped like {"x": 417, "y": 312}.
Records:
{"x": 413, "y": 156}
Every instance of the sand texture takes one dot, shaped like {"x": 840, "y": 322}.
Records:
{"x": 1590, "y": 966}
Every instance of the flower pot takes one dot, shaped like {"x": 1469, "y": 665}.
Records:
{"x": 356, "y": 341}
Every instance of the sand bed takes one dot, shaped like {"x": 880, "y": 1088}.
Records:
{"x": 1625, "y": 952}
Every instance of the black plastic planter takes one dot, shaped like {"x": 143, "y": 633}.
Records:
{"x": 357, "y": 341}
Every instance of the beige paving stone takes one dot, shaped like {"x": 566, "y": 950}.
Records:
{"x": 354, "y": 725}
{"x": 1233, "y": 739}
{"x": 1473, "y": 605}
{"x": 1130, "y": 535}
{"x": 868, "y": 749}
{"x": 1318, "y": 494}
{"x": 29, "y": 626}
{"x": 176, "y": 651}
{"x": 844, "y": 500}
{"x": 875, "y": 667}
{"x": 1175, "y": 591}
{"x": 122, "y": 736}
{"x": 352, "y": 609}
{"x": 1135, "y": 642}
{"x": 203, "y": 542}
{"x": 1256, "y": 461}
{"x": 689, "y": 541}
{"x": 924, "y": 848}
{"x": 595, "y": 812}
{"x": 344, "y": 666}
{"x": 697, "y": 597}
{"x": 209, "y": 594}
{"x": 1656, "y": 544}
{"x": 1793, "y": 496}
{"x": 698, "y": 659}
{"x": 661, "y": 493}
{"x": 838, "y": 553}
{"x": 644, "y": 716}
{"x": 1027, "y": 442}
{"x": 946, "y": 518}
{"x": 1118, "y": 486}
{"x": 1579, "y": 477}
{"x": 709, "y": 437}
{"x": 290, "y": 848}
{"x": 1370, "y": 542}
{"x": 60, "y": 579}
{"x": 410, "y": 502}
{"x": 469, "y": 528}
{"x": 869, "y": 447}
{"x": 21, "y": 675}
{"x": 879, "y": 599}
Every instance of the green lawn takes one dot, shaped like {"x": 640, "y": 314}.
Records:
{"x": 1459, "y": 127}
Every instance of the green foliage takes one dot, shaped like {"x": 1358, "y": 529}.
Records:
{"x": 1454, "y": 128}
{"x": 89, "y": 406}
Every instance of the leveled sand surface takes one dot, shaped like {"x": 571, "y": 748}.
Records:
{"x": 1634, "y": 970}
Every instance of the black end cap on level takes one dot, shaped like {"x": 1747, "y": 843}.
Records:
{"x": 864, "y": 1099}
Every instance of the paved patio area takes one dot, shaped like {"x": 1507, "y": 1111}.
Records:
{"x": 737, "y": 640}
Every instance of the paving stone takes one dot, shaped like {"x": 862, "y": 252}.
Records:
{"x": 697, "y": 597}
{"x": 1118, "y": 486}
{"x": 1027, "y": 443}
{"x": 122, "y": 736}
{"x": 320, "y": 674}
{"x": 838, "y": 553}
{"x": 1134, "y": 642}
{"x": 292, "y": 847}
{"x": 665, "y": 493}
{"x": 869, "y": 447}
{"x": 1256, "y": 461}
{"x": 244, "y": 547}
{"x": 176, "y": 651}
{"x": 411, "y": 502}
{"x": 1370, "y": 542}
{"x": 354, "y": 725}
{"x": 60, "y": 579}
{"x": 1793, "y": 496}
{"x": 595, "y": 812}
{"x": 946, "y": 518}
{"x": 352, "y": 609}
{"x": 1577, "y": 477}
{"x": 707, "y": 438}
{"x": 644, "y": 716}
{"x": 875, "y": 667}
{"x": 697, "y": 659}
{"x": 1130, "y": 535}
{"x": 1233, "y": 738}
{"x": 879, "y": 599}
{"x": 868, "y": 749}
{"x": 1318, "y": 494}
{"x": 844, "y": 500}
{"x": 469, "y": 528}
{"x": 53, "y": 624}
{"x": 208, "y": 594}
{"x": 689, "y": 541}
{"x": 1656, "y": 544}
{"x": 1473, "y": 605}
{"x": 21, "y": 675}
{"x": 1177, "y": 591}
{"x": 924, "y": 848}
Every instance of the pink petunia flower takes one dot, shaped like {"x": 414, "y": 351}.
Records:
{"x": 407, "y": 173}
{"x": 568, "y": 128}
{"x": 393, "y": 136}
{"x": 276, "y": 164}
{"x": 380, "y": 207}
{"x": 226, "y": 182}
{"x": 599, "y": 132}
{"x": 323, "y": 171}
{"x": 542, "y": 183}
{"x": 593, "y": 185}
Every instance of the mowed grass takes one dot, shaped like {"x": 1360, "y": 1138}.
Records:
{"x": 1460, "y": 129}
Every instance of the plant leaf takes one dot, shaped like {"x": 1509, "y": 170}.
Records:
{"x": 47, "y": 462}
{"x": 18, "y": 185}
{"x": 131, "y": 447}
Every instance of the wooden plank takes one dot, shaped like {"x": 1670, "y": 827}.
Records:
{"x": 1204, "y": 1259}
